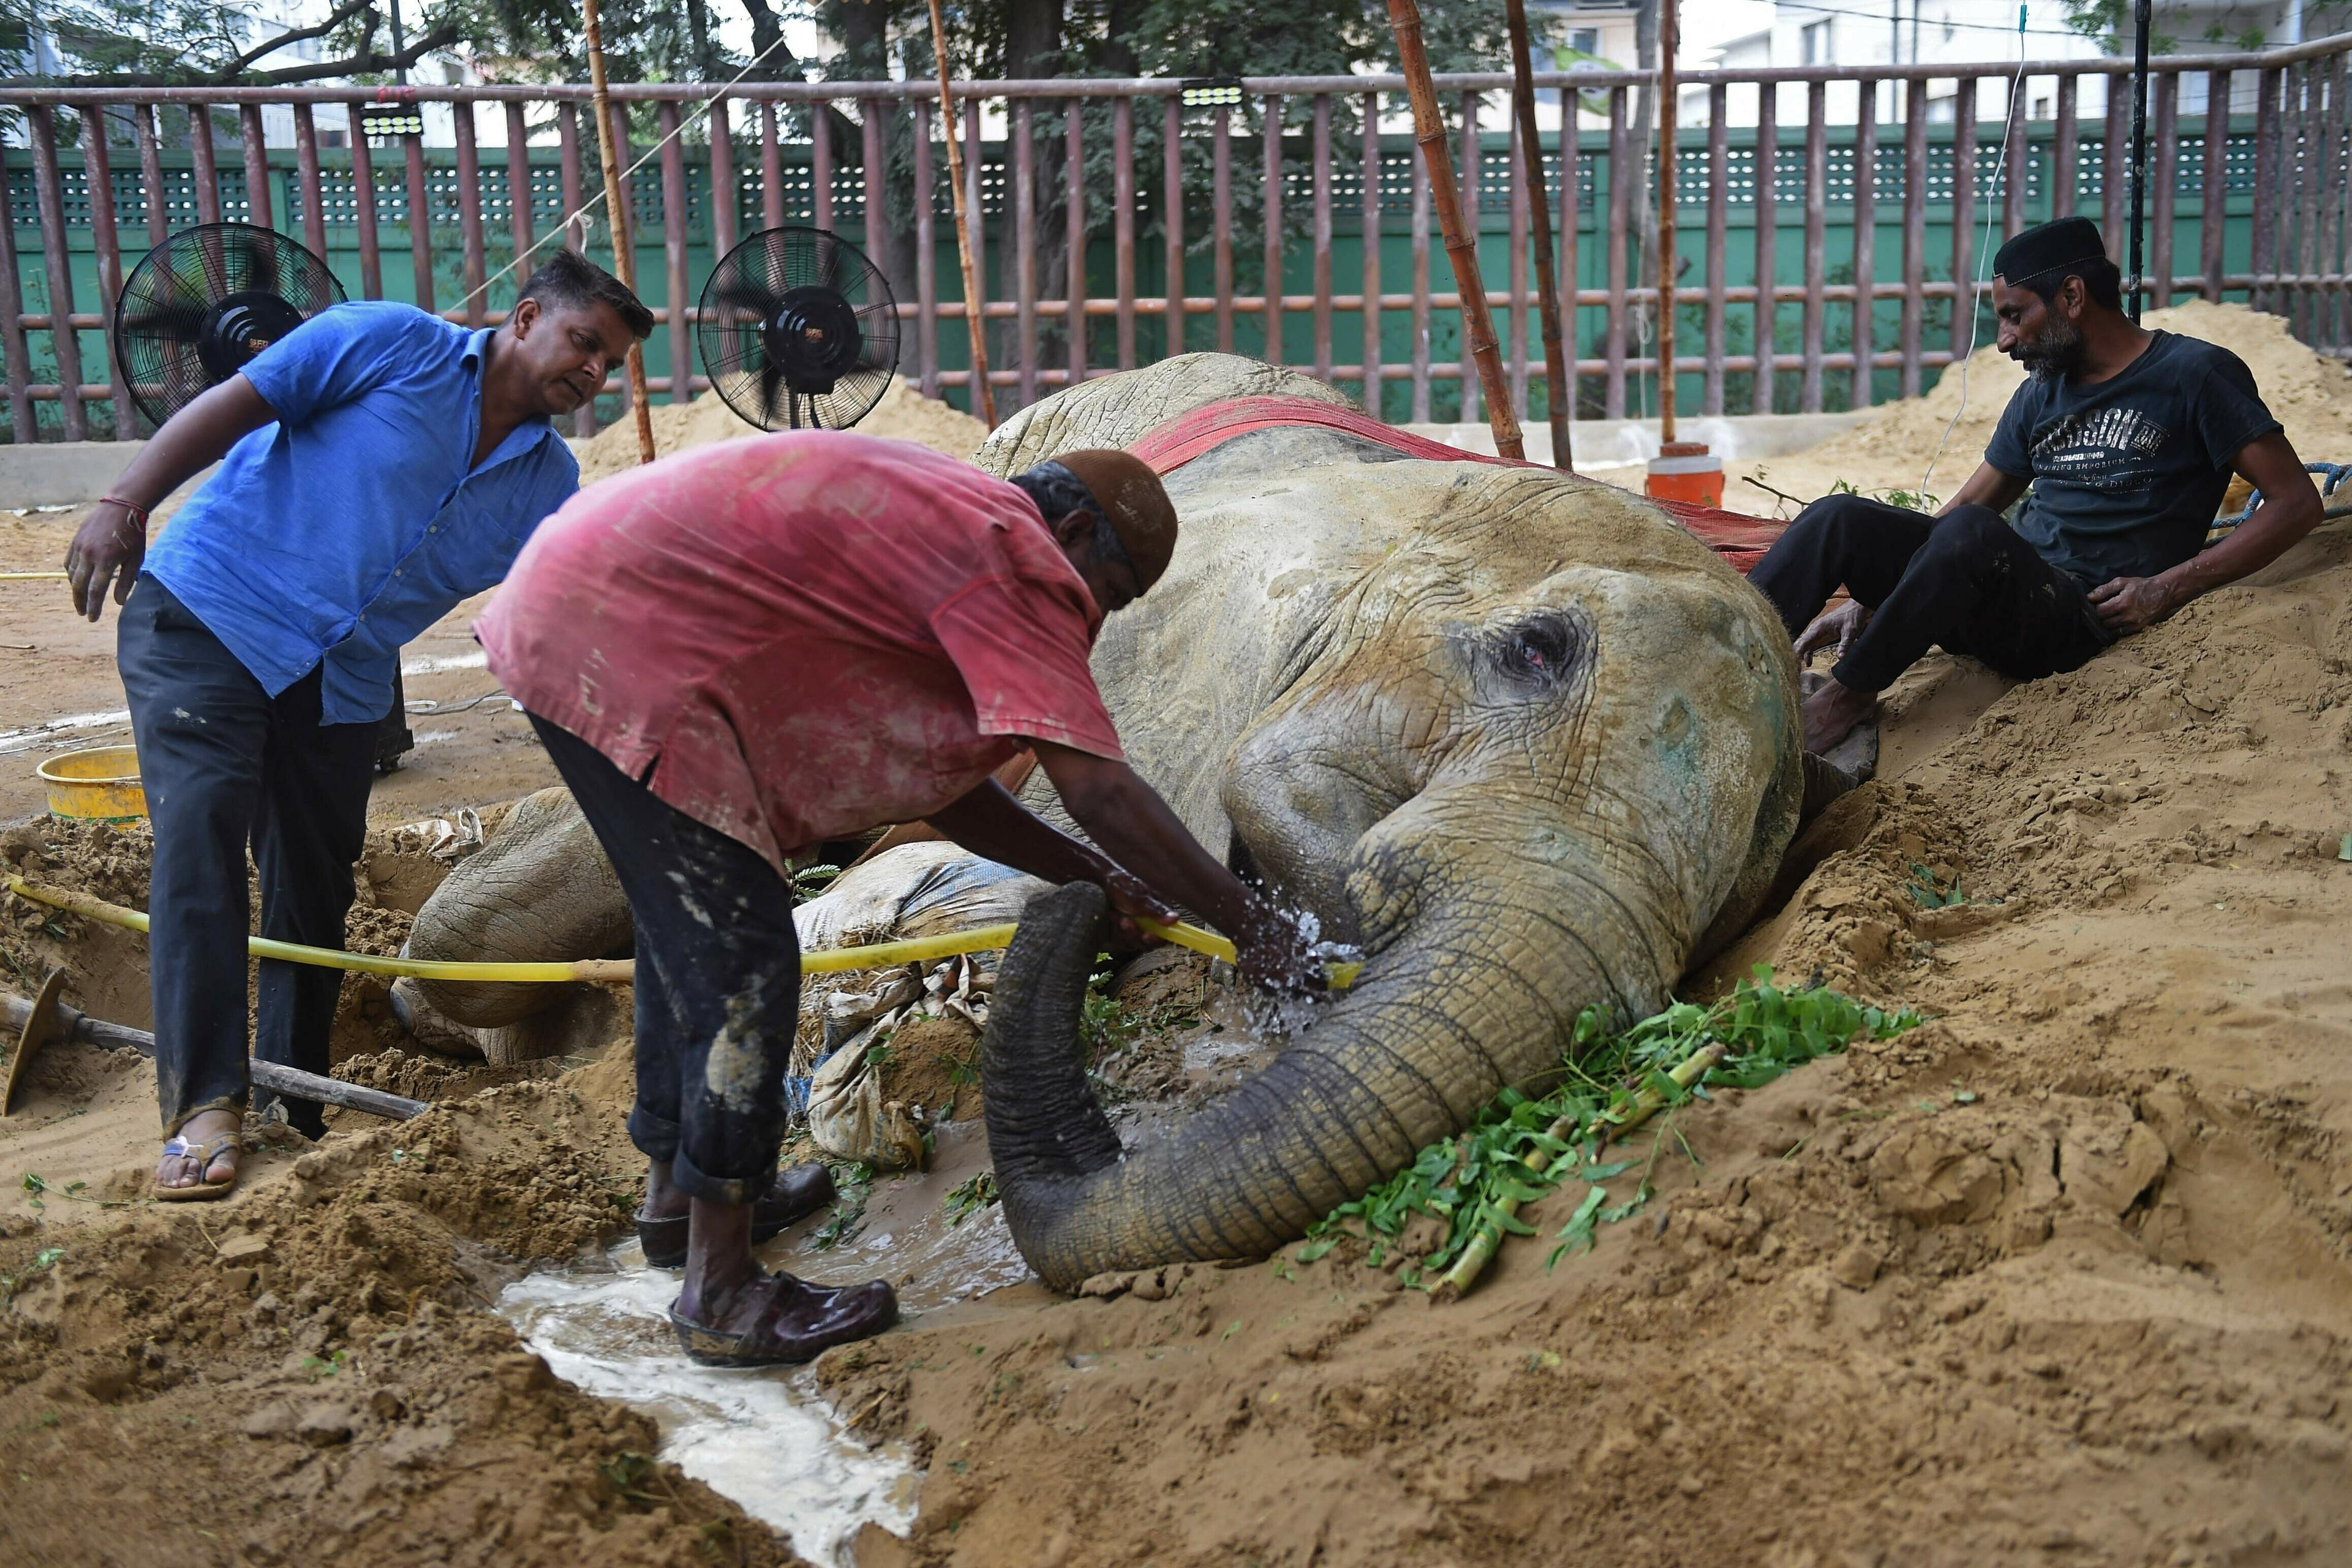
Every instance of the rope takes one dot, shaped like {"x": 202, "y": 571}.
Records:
{"x": 2332, "y": 475}
{"x": 702, "y": 111}
{"x": 621, "y": 971}
{"x": 1984, "y": 254}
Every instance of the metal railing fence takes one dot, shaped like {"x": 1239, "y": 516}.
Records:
{"x": 1156, "y": 228}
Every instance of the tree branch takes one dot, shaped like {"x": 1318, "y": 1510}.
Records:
{"x": 440, "y": 37}
{"x": 367, "y": 59}
{"x": 283, "y": 40}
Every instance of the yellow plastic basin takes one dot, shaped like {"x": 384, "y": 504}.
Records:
{"x": 100, "y": 783}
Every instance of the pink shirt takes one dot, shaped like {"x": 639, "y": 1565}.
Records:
{"x": 801, "y": 636}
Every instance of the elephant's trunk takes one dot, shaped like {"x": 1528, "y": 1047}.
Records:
{"x": 1463, "y": 1006}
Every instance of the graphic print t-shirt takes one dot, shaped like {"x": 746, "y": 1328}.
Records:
{"x": 2128, "y": 473}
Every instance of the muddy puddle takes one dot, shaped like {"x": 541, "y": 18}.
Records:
{"x": 768, "y": 1439}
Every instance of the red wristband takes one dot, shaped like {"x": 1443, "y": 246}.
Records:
{"x": 137, "y": 512}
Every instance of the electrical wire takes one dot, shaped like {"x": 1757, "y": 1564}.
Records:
{"x": 1984, "y": 257}
{"x": 1962, "y": 26}
{"x": 702, "y": 111}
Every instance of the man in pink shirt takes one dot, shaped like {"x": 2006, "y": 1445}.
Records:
{"x": 762, "y": 644}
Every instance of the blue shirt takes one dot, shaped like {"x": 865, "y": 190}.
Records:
{"x": 358, "y": 519}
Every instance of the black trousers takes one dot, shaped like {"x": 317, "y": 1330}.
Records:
{"x": 225, "y": 764}
{"x": 718, "y": 983}
{"x": 1964, "y": 581}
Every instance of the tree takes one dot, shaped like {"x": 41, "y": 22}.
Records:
{"x": 205, "y": 43}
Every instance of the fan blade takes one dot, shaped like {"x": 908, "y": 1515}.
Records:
{"x": 172, "y": 323}
{"x": 772, "y": 377}
{"x": 830, "y": 264}
{"x": 252, "y": 259}
{"x": 753, "y": 301}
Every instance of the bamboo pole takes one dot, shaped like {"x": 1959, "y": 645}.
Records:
{"x": 1460, "y": 250}
{"x": 1556, "y": 365}
{"x": 625, "y": 264}
{"x": 974, "y": 318}
{"x": 1669, "y": 27}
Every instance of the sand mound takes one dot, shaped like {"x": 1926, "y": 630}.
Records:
{"x": 2063, "y": 1276}
{"x": 2311, "y": 395}
{"x": 904, "y": 414}
{"x": 2064, "y": 1273}
{"x": 306, "y": 1370}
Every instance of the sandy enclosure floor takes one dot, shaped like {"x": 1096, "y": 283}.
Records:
{"x": 2063, "y": 1277}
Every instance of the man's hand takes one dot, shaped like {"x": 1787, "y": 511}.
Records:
{"x": 1274, "y": 953}
{"x": 2129, "y": 605}
{"x": 112, "y": 540}
{"x": 1840, "y": 625}
{"x": 110, "y": 544}
{"x": 1132, "y": 902}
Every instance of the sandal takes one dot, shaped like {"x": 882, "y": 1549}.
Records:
{"x": 205, "y": 1154}
{"x": 792, "y": 1197}
{"x": 801, "y": 1320}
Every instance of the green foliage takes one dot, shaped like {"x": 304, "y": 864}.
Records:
{"x": 967, "y": 1198}
{"x": 853, "y": 1183}
{"x": 1462, "y": 1181}
{"x": 1108, "y": 1025}
{"x": 1928, "y": 893}
{"x": 811, "y": 880}
{"x": 1910, "y": 501}
{"x": 43, "y": 1261}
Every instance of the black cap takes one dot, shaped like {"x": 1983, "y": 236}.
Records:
{"x": 2047, "y": 247}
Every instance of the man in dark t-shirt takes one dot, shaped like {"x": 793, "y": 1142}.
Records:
{"x": 2128, "y": 438}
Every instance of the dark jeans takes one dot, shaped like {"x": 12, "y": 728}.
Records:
{"x": 223, "y": 763}
{"x": 1965, "y": 581}
{"x": 718, "y": 983}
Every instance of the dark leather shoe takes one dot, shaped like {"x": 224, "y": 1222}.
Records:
{"x": 799, "y": 1322}
{"x": 792, "y": 1197}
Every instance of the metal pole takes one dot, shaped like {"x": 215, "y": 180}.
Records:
{"x": 1460, "y": 250}
{"x": 2140, "y": 22}
{"x": 625, "y": 264}
{"x": 1668, "y": 27}
{"x": 1557, "y": 370}
{"x": 975, "y": 324}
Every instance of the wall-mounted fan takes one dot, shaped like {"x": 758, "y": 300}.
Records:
{"x": 201, "y": 305}
{"x": 799, "y": 331}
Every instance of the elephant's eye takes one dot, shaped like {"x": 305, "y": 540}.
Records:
{"x": 1540, "y": 651}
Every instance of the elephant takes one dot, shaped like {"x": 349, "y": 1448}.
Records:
{"x": 1528, "y": 745}
{"x": 1526, "y": 742}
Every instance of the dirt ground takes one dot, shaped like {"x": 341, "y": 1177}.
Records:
{"x": 2065, "y": 1275}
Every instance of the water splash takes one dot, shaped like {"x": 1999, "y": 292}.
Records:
{"x": 765, "y": 1438}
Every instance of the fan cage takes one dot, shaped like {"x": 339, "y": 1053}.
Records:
{"x": 745, "y": 294}
{"x": 179, "y": 290}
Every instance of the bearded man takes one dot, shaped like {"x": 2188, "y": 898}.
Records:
{"x": 2128, "y": 440}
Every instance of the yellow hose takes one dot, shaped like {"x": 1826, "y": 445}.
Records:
{"x": 32, "y": 576}
{"x": 832, "y": 961}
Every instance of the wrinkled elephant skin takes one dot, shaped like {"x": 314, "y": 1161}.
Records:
{"x": 1527, "y": 742}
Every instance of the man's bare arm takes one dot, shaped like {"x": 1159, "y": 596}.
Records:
{"x": 1128, "y": 820}
{"x": 2291, "y": 508}
{"x": 1988, "y": 487}
{"x": 112, "y": 540}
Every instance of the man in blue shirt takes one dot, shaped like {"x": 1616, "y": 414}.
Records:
{"x": 378, "y": 465}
